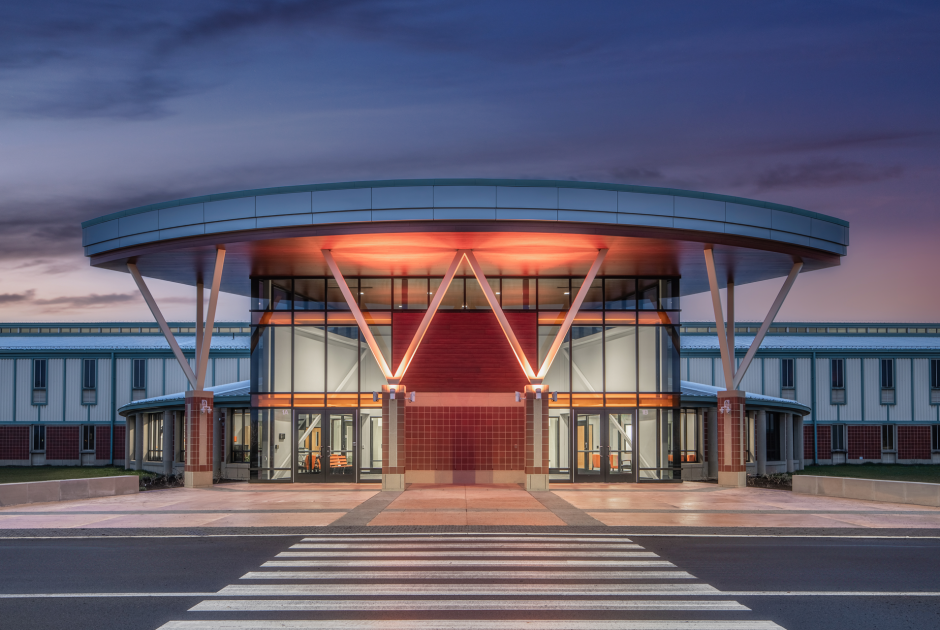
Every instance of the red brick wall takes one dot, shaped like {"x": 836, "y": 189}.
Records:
{"x": 61, "y": 442}
{"x": 913, "y": 442}
{"x": 14, "y": 443}
{"x": 103, "y": 441}
{"x": 465, "y": 438}
{"x": 119, "y": 432}
{"x": 864, "y": 442}
{"x": 465, "y": 352}
{"x": 824, "y": 437}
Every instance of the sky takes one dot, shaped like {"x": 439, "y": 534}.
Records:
{"x": 828, "y": 106}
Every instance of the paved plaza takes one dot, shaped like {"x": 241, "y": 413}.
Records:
{"x": 243, "y": 505}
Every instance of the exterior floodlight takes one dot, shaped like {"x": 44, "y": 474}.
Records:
{"x": 412, "y": 397}
{"x": 554, "y": 396}
{"x": 518, "y": 396}
{"x": 375, "y": 396}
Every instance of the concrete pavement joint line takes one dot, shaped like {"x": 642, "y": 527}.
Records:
{"x": 411, "y": 553}
{"x": 569, "y": 514}
{"x": 435, "y": 624}
{"x": 274, "y": 605}
{"x": 462, "y": 590}
{"x": 363, "y": 513}
{"x": 453, "y": 564}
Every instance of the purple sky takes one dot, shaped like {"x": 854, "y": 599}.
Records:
{"x": 828, "y": 106}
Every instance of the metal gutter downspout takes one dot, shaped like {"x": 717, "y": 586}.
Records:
{"x": 114, "y": 404}
{"x": 815, "y": 430}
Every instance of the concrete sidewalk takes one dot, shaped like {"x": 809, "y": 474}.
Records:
{"x": 687, "y": 505}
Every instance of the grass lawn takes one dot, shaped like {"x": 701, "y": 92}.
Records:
{"x": 19, "y": 474}
{"x": 890, "y": 472}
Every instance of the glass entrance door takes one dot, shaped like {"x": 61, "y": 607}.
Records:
{"x": 603, "y": 446}
{"x": 325, "y": 446}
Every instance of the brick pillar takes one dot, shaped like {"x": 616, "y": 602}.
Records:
{"x": 731, "y": 471}
{"x": 536, "y": 442}
{"x": 198, "y": 472}
{"x": 393, "y": 440}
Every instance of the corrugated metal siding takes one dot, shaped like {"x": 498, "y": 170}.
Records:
{"x": 102, "y": 412}
{"x": 874, "y": 410}
{"x": 155, "y": 378}
{"x": 175, "y": 379}
{"x": 901, "y": 411}
{"x": 244, "y": 369}
{"x": 852, "y": 410}
{"x": 125, "y": 376}
{"x": 25, "y": 411}
{"x": 803, "y": 379}
{"x": 772, "y": 377}
{"x": 210, "y": 373}
{"x": 53, "y": 411}
{"x": 683, "y": 369}
{"x": 752, "y": 378}
{"x": 700, "y": 370}
{"x": 824, "y": 412}
{"x": 226, "y": 371}
{"x": 74, "y": 411}
{"x": 922, "y": 409}
{"x": 719, "y": 373}
{"x": 7, "y": 413}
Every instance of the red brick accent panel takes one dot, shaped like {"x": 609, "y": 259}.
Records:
{"x": 199, "y": 421}
{"x": 61, "y": 442}
{"x": 824, "y": 436}
{"x": 465, "y": 438}
{"x": 733, "y": 461}
{"x": 119, "y": 432}
{"x": 103, "y": 442}
{"x": 533, "y": 467}
{"x": 913, "y": 442}
{"x": 465, "y": 352}
{"x": 864, "y": 442}
{"x": 14, "y": 443}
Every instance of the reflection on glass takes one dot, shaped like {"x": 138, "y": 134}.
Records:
{"x": 309, "y": 443}
{"x": 310, "y": 294}
{"x": 620, "y": 294}
{"x": 372, "y": 378}
{"x": 588, "y": 452}
{"x": 594, "y": 300}
{"x": 240, "y": 445}
{"x": 518, "y": 294}
{"x": 649, "y": 293}
{"x": 370, "y": 447}
{"x": 554, "y": 293}
{"x": 375, "y": 294}
{"x": 271, "y": 447}
{"x": 342, "y": 370}
{"x": 410, "y": 293}
{"x": 309, "y": 359}
{"x": 620, "y": 443}
{"x": 658, "y": 444}
{"x": 334, "y": 295}
{"x": 271, "y": 359}
{"x": 587, "y": 374}
{"x": 559, "y": 435}
{"x": 476, "y": 299}
{"x": 558, "y": 377}
{"x": 342, "y": 454}
{"x": 620, "y": 358}
{"x": 453, "y": 299}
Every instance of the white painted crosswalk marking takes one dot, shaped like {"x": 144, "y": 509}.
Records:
{"x": 454, "y": 577}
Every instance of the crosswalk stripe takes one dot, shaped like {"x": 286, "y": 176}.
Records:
{"x": 470, "y": 624}
{"x": 398, "y": 538}
{"x": 451, "y": 564}
{"x": 276, "y": 605}
{"x": 537, "y": 576}
{"x": 466, "y": 545}
{"x": 469, "y": 554}
{"x": 474, "y": 590}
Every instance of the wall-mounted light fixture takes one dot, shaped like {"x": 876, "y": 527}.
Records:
{"x": 412, "y": 397}
{"x": 554, "y": 396}
{"x": 375, "y": 396}
{"x": 518, "y": 396}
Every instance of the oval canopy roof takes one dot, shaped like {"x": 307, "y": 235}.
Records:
{"x": 516, "y": 227}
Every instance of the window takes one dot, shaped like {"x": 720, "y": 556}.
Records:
{"x": 39, "y": 381}
{"x": 838, "y": 437}
{"x": 89, "y": 381}
{"x": 887, "y": 381}
{"x": 154, "y": 437}
{"x": 837, "y": 381}
{"x": 773, "y": 437}
{"x": 241, "y": 436}
{"x": 140, "y": 379}
{"x": 887, "y": 437}
{"x": 935, "y": 381}
{"x": 787, "y": 387}
{"x": 88, "y": 438}
{"x": 935, "y": 437}
{"x": 39, "y": 439}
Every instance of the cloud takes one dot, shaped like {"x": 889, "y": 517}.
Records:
{"x": 92, "y": 300}
{"x": 822, "y": 173}
{"x": 12, "y": 298}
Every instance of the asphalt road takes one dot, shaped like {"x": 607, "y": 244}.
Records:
{"x": 737, "y": 564}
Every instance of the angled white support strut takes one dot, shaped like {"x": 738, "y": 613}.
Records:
{"x": 202, "y": 360}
